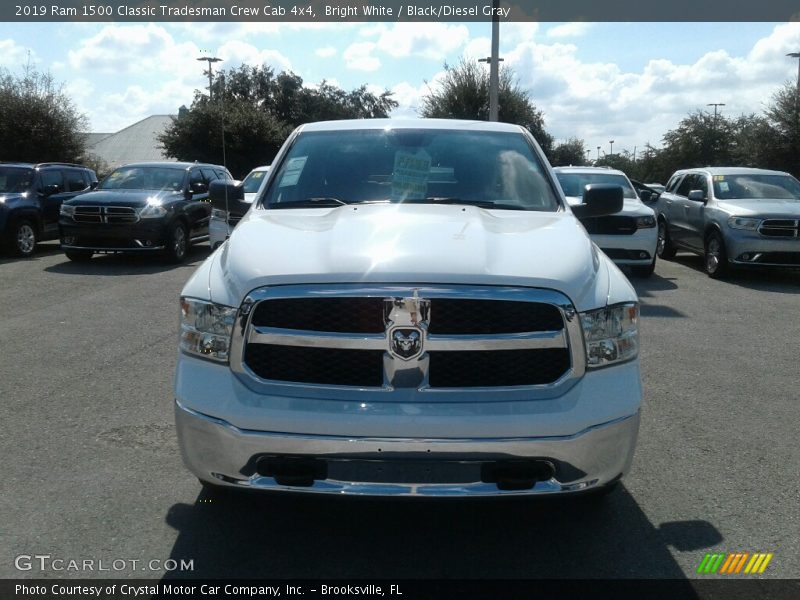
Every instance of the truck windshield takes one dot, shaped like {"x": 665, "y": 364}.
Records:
{"x": 754, "y": 187}
{"x": 14, "y": 180}
{"x": 489, "y": 169}
{"x": 144, "y": 178}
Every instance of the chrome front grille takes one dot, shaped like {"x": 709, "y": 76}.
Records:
{"x": 105, "y": 214}
{"x": 426, "y": 339}
{"x": 780, "y": 228}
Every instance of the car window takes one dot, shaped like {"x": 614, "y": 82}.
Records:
{"x": 685, "y": 186}
{"x": 672, "y": 183}
{"x": 53, "y": 177}
{"x": 209, "y": 174}
{"x": 699, "y": 182}
{"x": 253, "y": 181}
{"x": 15, "y": 180}
{"x": 573, "y": 184}
{"x": 76, "y": 180}
{"x": 409, "y": 165}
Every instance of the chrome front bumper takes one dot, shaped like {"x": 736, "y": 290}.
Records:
{"x": 220, "y": 453}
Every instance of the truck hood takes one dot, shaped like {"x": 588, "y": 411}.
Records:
{"x": 414, "y": 244}
{"x": 123, "y": 197}
{"x": 761, "y": 208}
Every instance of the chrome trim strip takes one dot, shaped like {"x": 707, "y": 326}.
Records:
{"x": 571, "y": 337}
{"x": 148, "y": 249}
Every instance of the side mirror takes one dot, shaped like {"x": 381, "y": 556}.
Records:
{"x": 227, "y": 195}
{"x": 199, "y": 187}
{"x": 49, "y": 190}
{"x": 646, "y": 195}
{"x": 93, "y": 185}
{"x": 599, "y": 199}
{"x": 697, "y": 196}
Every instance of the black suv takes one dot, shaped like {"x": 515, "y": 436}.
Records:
{"x": 30, "y": 197}
{"x": 143, "y": 207}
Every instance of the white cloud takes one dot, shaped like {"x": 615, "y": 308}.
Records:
{"x": 325, "y": 52}
{"x": 358, "y": 56}
{"x": 567, "y": 30}
{"x": 433, "y": 41}
{"x": 237, "y": 52}
{"x": 13, "y": 56}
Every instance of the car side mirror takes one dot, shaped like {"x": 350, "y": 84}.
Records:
{"x": 697, "y": 196}
{"x": 599, "y": 199}
{"x": 225, "y": 193}
{"x": 199, "y": 187}
{"x": 646, "y": 195}
{"x": 49, "y": 190}
{"x": 93, "y": 185}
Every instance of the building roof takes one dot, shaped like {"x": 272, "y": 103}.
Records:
{"x": 136, "y": 143}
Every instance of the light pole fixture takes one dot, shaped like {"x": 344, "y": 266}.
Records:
{"x": 611, "y": 148}
{"x": 209, "y": 60}
{"x": 715, "y": 105}
{"x": 796, "y": 55}
{"x": 598, "y": 153}
{"x": 494, "y": 64}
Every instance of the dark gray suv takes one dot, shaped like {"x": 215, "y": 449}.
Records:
{"x": 30, "y": 198}
{"x": 731, "y": 216}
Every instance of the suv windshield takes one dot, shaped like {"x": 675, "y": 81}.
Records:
{"x": 144, "y": 178}
{"x": 741, "y": 187}
{"x": 487, "y": 169}
{"x": 15, "y": 180}
{"x": 573, "y": 183}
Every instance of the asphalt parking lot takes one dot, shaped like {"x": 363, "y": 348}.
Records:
{"x": 91, "y": 468}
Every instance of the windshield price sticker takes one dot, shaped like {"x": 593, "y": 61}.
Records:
{"x": 410, "y": 175}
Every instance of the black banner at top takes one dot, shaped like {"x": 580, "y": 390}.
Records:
{"x": 399, "y": 10}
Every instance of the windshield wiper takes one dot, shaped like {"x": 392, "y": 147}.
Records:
{"x": 323, "y": 201}
{"x": 455, "y": 200}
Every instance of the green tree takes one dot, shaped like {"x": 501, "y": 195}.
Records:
{"x": 39, "y": 122}
{"x": 572, "y": 152}
{"x": 464, "y": 94}
{"x": 783, "y": 115}
{"x": 256, "y": 110}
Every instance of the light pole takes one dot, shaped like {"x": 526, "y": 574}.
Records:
{"x": 209, "y": 59}
{"x": 494, "y": 64}
{"x": 611, "y": 148}
{"x": 714, "y": 130}
{"x": 598, "y": 153}
{"x": 796, "y": 55}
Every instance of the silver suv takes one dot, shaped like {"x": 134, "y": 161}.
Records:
{"x": 731, "y": 216}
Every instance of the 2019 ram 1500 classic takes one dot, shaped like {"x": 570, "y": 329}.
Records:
{"x": 411, "y": 308}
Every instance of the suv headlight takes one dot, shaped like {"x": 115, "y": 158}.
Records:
{"x": 645, "y": 222}
{"x": 152, "y": 210}
{"x": 206, "y": 328}
{"x": 66, "y": 210}
{"x": 611, "y": 334}
{"x": 746, "y": 223}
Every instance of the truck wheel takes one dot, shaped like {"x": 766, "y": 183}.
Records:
{"x": 177, "y": 243}
{"x": 79, "y": 255}
{"x": 664, "y": 247}
{"x": 23, "y": 238}
{"x": 715, "y": 260}
{"x": 644, "y": 270}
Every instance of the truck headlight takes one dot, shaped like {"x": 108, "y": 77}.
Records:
{"x": 611, "y": 334}
{"x": 206, "y": 328}
{"x": 66, "y": 210}
{"x": 744, "y": 223}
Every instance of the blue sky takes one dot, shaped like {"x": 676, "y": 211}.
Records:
{"x": 629, "y": 82}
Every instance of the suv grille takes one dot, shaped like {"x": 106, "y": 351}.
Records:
{"x": 610, "y": 225}
{"x": 363, "y": 341}
{"x": 105, "y": 214}
{"x": 780, "y": 228}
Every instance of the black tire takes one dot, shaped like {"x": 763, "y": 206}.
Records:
{"x": 177, "y": 243}
{"x": 23, "y": 239}
{"x": 79, "y": 255}
{"x": 644, "y": 271}
{"x": 664, "y": 247}
{"x": 715, "y": 258}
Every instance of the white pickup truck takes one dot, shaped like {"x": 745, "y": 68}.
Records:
{"x": 410, "y": 308}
